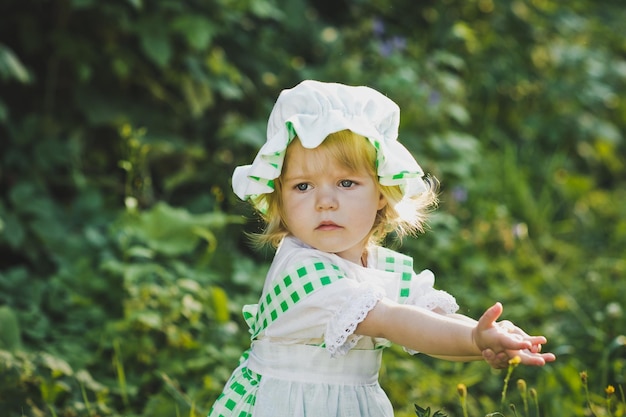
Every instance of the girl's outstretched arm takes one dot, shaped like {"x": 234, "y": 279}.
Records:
{"x": 453, "y": 338}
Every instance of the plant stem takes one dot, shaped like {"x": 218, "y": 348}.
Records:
{"x": 585, "y": 386}
{"x": 121, "y": 376}
{"x": 85, "y": 398}
{"x": 523, "y": 389}
{"x": 509, "y": 372}
{"x": 54, "y": 414}
{"x": 464, "y": 407}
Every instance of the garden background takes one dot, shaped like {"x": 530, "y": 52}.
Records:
{"x": 123, "y": 258}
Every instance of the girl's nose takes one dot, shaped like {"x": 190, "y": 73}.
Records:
{"x": 326, "y": 199}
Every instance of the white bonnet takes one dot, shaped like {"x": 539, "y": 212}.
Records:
{"x": 312, "y": 110}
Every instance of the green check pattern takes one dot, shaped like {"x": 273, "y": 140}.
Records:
{"x": 297, "y": 282}
{"x": 391, "y": 261}
{"x": 239, "y": 395}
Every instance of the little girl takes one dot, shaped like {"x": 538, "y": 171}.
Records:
{"x": 331, "y": 182}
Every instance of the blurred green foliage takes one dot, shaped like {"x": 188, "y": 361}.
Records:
{"x": 123, "y": 258}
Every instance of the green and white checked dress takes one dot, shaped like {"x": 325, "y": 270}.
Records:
{"x": 305, "y": 359}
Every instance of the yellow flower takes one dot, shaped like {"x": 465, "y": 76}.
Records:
{"x": 583, "y": 376}
{"x": 515, "y": 361}
{"x": 521, "y": 385}
{"x": 461, "y": 389}
{"x": 610, "y": 390}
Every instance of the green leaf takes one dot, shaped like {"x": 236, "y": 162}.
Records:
{"x": 4, "y": 112}
{"x": 57, "y": 366}
{"x": 220, "y": 304}
{"x": 140, "y": 252}
{"x": 150, "y": 319}
{"x": 458, "y": 113}
{"x": 425, "y": 412}
{"x": 12, "y": 232}
{"x": 197, "y": 30}
{"x": 422, "y": 412}
{"x": 175, "y": 231}
{"x": 137, "y": 4}
{"x": 266, "y": 9}
{"x": 85, "y": 378}
{"x": 144, "y": 272}
{"x": 11, "y": 67}
{"x": 155, "y": 42}
{"x": 9, "y": 330}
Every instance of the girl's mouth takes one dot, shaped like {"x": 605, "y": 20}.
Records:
{"x": 327, "y": 226}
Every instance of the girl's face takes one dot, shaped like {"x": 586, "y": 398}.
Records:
{"x": 326, "y": 205}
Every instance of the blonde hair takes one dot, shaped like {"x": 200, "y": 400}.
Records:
{"x": 404, "y": 216}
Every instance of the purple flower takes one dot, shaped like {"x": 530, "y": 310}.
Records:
{"x": 385, "y": 48}
{"x": 378, "y": 27}
{"x": 434, "y": 98}
{"x": 459, "y": 194}
{"x": 399, "y": 43}
{"x": 389, "y": 46}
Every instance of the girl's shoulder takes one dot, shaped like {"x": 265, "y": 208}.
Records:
{"x": 388, "y": 260}
{"x": 294, "y": 257}
{"x": 293, "y": 250}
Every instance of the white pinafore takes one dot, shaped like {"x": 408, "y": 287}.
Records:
{"x": 305, "y": 359}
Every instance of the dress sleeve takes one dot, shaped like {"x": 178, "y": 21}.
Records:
{"x": 339, "y": 335}
{"x": 423, "y": 294}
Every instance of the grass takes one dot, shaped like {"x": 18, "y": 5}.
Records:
{"x": 611, "y": 405}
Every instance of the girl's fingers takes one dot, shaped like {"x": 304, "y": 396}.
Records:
{"x": 497, "y": 361}
{"x": 538, "y": 340}
{"x": 536, "y": 359}
{"x": 489, "y": 317}
{"x": 501, "y": 360}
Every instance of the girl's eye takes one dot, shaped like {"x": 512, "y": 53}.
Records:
{"x": 302, "y": 186}
{"x": 346, "y": 183}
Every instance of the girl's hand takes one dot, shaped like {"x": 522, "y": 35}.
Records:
{"x": 500, "y": 342}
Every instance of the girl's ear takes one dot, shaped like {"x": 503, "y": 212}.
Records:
{"x": 382, "y": 201}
